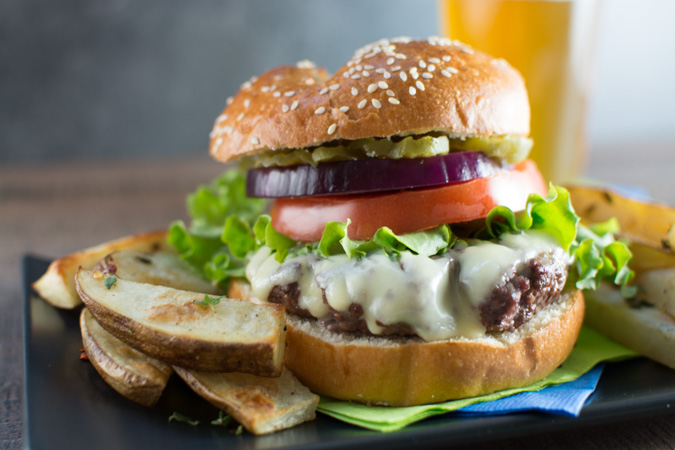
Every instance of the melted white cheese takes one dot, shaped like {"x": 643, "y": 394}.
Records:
{"x": 438, "y": 297}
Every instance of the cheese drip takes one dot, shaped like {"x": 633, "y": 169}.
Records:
{"x": 438, "y": 297}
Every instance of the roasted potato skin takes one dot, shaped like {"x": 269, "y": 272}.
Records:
{"x": 57, "y": 285}
{"x": 131, "y": 373}
{"x": 262, "y": 405}
{"x": 262, "y": 355}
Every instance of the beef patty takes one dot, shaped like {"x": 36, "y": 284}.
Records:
{"x": 510, "y": 304}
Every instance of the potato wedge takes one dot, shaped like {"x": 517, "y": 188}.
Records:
{"x": 168, "y": 324}
{"x": 642, "y": 222}
{"x": 133, "y": 374}
{"x": 57, "y": 285}
{"x": 658, "y": 287}
{"x": 161, "y": 268}
{"x": 262, "y": 405}
{"x": 647, "y": 330}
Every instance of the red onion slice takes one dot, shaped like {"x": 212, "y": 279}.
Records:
{"x": 369, "y": 175}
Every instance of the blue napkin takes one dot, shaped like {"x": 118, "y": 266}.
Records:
{"x": 564, "y": 399}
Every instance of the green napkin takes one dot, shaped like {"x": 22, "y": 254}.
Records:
{"x": 591, "y": 348}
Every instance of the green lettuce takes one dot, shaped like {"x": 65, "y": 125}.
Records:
{"x": 227, "y": 227}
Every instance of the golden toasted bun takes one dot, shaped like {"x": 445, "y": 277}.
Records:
{"x": 405, "y": 372}
{"x": 389, "y": 88}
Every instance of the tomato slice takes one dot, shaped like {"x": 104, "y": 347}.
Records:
{"x": 304, "y": 218}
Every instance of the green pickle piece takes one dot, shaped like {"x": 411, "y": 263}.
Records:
{"x": 510, "y": 148}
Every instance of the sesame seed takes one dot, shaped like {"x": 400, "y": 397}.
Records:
{"x": 446, "y": 58}
{"x": 218, "y": 142}
{"x": 382, "y": 85}
{"x": 393, "y": 101}
{"x": 365, "y": 73}
{"x": 246, "y": 85}
{"x": 359, "y": 67}
{"x": 396, "y": 68}
{"x": 345, "y": 74}
{"x": 240, "y": 116}
{"x": 386, "y": 75}
{"x": 356, "y": 77}
{"x": 390, "y": 93}
{"x": 289, "y": 93}
{"x": 434, "y": 60}
{"x": 277, "y": 94}
{"x": 255, "y": 140}
{"x": 427, "y": 75}
{"x": 419, "y": 85}
{"x": 362, "y": 104}
{"x": 323, "y": 91}
{"x": 415, "y": 75}
{"x": 221, "y": 118}
{"x": 355, "y": 91}
{"x": 390, "y": 61}
{"x": 320, "y": 110}
{"x": 376, "y": 103}
{"x": 294, "y": 105}
{"x": 229, "y": 100}
{"x": 368, "y": 67}
{"x": 372, "y": 88}
{"x": 413, "y": 69}
{"x": 380, "y": 70}
{"x": 332, "y": 128}
{"x": 445, "y": 73}
{"x": 335, "y": 87}
{"x": 265, "y": 89}
{"x": 431, "y": 68}
{"x": 284, "y": 107}
{"x": 403, "y": 75}
{"x": 344, "y": 109}
{"x": 228, "y": 129}
{"x": 400, "y": 56}
{"x": 247, "y": 103}
{"x": 305, "y": 64}
{"x": 412, "y": 90}
{"x": 451, "y": 69}
{"x": 422, "y": 64}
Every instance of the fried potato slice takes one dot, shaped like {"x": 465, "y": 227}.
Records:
{"x": 57, "y": 285}
{"x": 186, "y": 328}
{"x": 658, "y": 288}
{"x": 161, "y": 268}
{"x": 645, "y": 329}
{"x": 133, "y": 374}
{"x": 262, "y": 405}
{"x": 645, "y": 223}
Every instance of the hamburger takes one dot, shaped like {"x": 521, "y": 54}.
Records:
{"x": 420, "y": 255}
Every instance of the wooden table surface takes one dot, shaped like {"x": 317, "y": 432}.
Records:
{"x": 50, "y": 210}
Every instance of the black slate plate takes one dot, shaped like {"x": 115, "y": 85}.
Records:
{"x": 67, "y": 404}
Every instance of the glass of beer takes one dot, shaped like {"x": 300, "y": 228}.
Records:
{"x": 550, "y": 43}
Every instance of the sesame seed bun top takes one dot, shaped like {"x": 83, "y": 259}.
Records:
{"x": 393, "y": 87}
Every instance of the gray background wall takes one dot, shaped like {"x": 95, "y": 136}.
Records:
{"x": 94, "y": 80}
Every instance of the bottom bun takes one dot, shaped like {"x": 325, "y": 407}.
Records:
{"x": 406, "y": 372}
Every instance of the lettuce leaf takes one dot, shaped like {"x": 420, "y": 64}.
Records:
{"x": 220, "y": 213}
{"x": 599, "y": 257}
{"x": 553, "y": 215}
